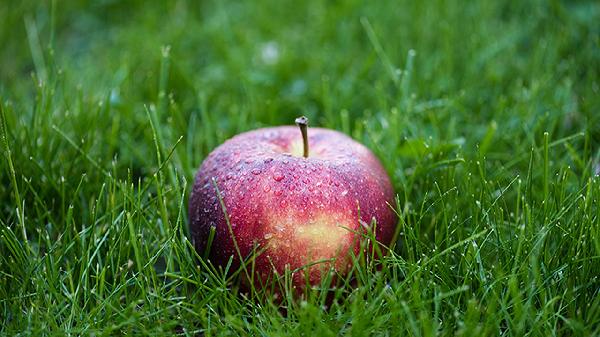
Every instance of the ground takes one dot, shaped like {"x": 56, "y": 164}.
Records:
{"x": 486, "y": 115}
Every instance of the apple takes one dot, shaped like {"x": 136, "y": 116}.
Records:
{"x": 286, "y": 199}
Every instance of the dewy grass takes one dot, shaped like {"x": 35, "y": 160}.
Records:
{"x": 485, "y": 115}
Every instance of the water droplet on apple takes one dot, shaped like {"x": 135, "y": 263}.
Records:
{"x": 268, "y": 236}
{"x": 249, "y": 161}
{"x": 282, "y": 203}
{"x": 278, "y": 192}
{"x": 255, "y": 171}
{"x": 344, "y": 193}
{"x": 268, "y": 160}
{"x": 266, "y": 188}
{"x": 278, "y": 176}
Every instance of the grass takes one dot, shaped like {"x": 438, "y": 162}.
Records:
{"x": 486, "y": 115}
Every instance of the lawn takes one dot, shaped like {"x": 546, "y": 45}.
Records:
{"x": 485, "y": 114}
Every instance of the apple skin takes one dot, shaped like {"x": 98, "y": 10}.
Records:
{"x": 294, "y": 210}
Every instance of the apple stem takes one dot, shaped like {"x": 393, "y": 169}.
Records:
{"x": 302, "y": 122}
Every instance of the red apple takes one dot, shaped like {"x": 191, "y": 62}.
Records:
{"x": 293, "y": 210}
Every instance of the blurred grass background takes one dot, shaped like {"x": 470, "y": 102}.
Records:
{"x": 486, "y": 114}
